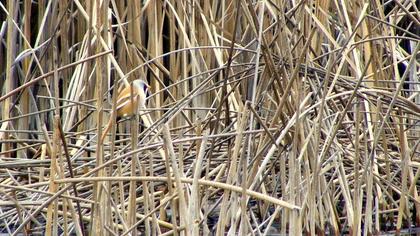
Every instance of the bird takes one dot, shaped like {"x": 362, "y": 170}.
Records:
{"x": 129, "y": 101}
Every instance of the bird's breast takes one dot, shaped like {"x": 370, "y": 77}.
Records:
{"x": 127, "y": 108}
{"x": 126, "y": 104}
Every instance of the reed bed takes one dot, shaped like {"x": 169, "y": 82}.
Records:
{"x": 264, "y": 118}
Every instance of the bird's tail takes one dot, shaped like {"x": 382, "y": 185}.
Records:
{"x": 106, "y": 130}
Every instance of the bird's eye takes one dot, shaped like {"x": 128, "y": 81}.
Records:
{"x": 146, "y": 90}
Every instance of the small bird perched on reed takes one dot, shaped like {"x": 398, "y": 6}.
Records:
{"x": 129, "y": 101}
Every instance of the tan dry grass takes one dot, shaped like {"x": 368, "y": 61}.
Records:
{"x": 265, "y": 116}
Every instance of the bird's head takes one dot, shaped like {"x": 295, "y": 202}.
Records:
{"x": 141, "y": 86}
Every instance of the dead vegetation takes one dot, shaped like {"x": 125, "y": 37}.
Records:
{"x": 266, "y": 117}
